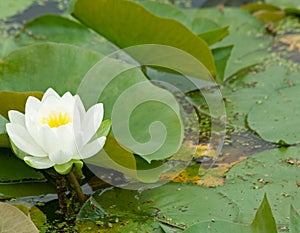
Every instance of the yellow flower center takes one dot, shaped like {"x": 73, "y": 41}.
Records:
{"x": 54, "y": 120}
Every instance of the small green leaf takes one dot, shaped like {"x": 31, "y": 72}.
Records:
{"x": 13, "y": 220}
{"x": 264, "y": 220}
{"x": 221, "y": 56}
{"x": 103, "y": 130}
{"x": 214, "y": 36}
{"x": 65, "y": 168}
{"x": 294, "y": 220}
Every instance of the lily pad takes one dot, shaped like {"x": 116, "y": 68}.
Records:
{"x": 15, "y": 170}
{"x": 176, "y": 205}
{"x": 294, "y": 220}
{"x": 56, "y": 28}
{"x": 14, "y": 220}
{"x": 273, "y": 172}
{"x": 247, "y": 35}
{"x": 253, "y": 89}
{"x": 124, "y": 24}
{"x": 10, "y": 8}
{"x": 53, "y": 63}
{"x": 263, "y": 222}
{"x": 274, "y": 119}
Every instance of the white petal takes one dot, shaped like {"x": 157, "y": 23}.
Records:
{"x": 79, "y": 105}
{"x": 77, "y": 119}
{"x": 91, "y": 122}
{"x": 50, "y": 92}
{"x": 16, "y": 117}
{"x": 92, "y": 148}
{"x": 31, "y": 113}
{"x": 60, "y": 156}
{"x": 23, "y": 140}
{"x": 48, "y": 139}
{"x": 67, "y": 139}
{"x": 68, "y": 99}
{"x": 32, "y": 103}
{"x": 39, "y": 163}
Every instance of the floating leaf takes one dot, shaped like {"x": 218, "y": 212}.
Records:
{"x": 124, "y": 23}
{"x": 274, "y": 119}
{"x": 285, "y": 3}
{"x": 258, "y": 6}
{"x": 294, "y": 220}
{"x": 273, "y": 172}
{"x": 269, "y": 16}
{"x": 50, "y": 65}
{"x": 10, "y": 8}
{"x": 166, "y": 11}
{"x": 15, "y": 101}
{"x": 15, "y": 221}
{"x": 56, "y": 28}
{"x": 262, "y": 223}
{"x": 15, "y": 170}
{"x": 253, "y": 89}
{"x": 173, "y": 205}
{"x": 246, "y": 34}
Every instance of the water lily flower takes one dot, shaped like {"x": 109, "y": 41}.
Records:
{"x": 56, "y": 131}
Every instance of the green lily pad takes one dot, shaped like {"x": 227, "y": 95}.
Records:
{"x": 247, "y": 35}
{"x": 166, "y": 11}
{"x": 10, "y": 8}
{"x": 15, "y": 100}
{"x": 286, "y": 3}
{"x": 263, "y": 222}
{"x": 176, "y": 205}
{"x": 274, "y": 119}
{"x": 14, "y": 220}
{"x": 254, "y": 89}
{"x": 56, "y": 28}
{"x": 15, "y": 170}
{"x": 273, "y": 172}
{"x": 124, "y": 23}
{"x": 294, "y": 220}
{"x": 54, "y": 64}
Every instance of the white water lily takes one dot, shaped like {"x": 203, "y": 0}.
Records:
{"x": 56, "y": 131}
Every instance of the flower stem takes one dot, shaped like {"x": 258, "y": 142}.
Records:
{"x": 61, "y": 193}
{"x": 73, "y": 180}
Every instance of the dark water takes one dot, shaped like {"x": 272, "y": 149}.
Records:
{"x": 35, "y": 10}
